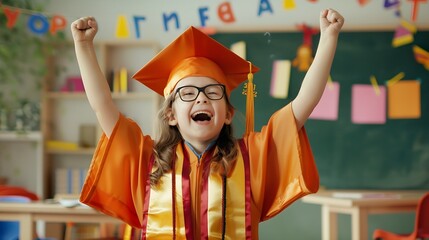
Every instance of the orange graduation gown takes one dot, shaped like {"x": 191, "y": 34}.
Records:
{"x": 281, "y": 169}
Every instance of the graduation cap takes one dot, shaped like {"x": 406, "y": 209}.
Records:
{"x": 194, "y": 53}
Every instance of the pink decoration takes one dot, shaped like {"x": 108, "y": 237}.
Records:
{"x": 368, "y": 107}
{"x": 327, "y": 108}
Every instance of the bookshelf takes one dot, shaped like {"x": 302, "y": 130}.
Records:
{"x": 22, "y": 159}
{"x": 65, "y": 108}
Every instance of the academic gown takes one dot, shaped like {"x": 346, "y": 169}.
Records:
{"x": 281, "y": 168}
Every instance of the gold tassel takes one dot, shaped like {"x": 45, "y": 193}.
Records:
{"x": 251, "y": 93}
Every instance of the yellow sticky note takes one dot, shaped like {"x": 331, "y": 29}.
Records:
{"x": 404, "y": 100}
{"x": 239, "y": 48}
{"x": 280, "y": 78}
{"x": 289, "y": 4}
{"x": 122, "y": 27}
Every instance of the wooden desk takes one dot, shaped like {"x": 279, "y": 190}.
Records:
{"x": 28, "y": 213}
{"x": 373, "y": 202}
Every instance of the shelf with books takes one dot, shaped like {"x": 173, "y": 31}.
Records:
{"x": 67, "y": 118}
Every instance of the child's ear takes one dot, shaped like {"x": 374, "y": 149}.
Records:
{"x": 229, "y": 116}
{"x": 172, "y": 121}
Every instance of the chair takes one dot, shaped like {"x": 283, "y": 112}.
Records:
{"x": 9, "y": 230}
{"x": 421, "y": 228}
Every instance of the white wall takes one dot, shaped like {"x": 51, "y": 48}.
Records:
{"x": 372, "y": 15}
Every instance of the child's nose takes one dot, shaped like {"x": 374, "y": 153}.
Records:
{"x": 202, "y": 98}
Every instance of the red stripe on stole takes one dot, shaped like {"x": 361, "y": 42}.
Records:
{"x": 147, "y": 198}
{"x": 186, "y": 191}
{"x": 245, "y": 154}
{"x": 205, "y": 194}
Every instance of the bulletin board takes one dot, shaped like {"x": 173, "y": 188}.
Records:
{"x": 394, "y": 155}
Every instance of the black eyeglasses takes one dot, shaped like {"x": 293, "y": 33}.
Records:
{"x": 190, "y": 93}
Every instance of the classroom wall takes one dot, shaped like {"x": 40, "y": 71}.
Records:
{"x": 300, "y": 221}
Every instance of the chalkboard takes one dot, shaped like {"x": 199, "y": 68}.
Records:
{"x": 394, "y": 155}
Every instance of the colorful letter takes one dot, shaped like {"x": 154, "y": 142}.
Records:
{"x": 264, "y": 6}
{"x": 225, "y": 12}
{"x": 122, "y": 27}
{"x": 57, "y": 23}
{"x": 38, "y": 24}
{"x": 138, "y": 19}
{"x": 11, "y": 16}
{"x": 167, "y": 18}
{"x": 203, "y": 16}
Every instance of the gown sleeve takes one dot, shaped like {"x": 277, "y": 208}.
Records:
{"x": 116, "y": 180}
{"x": 281, "y": 164}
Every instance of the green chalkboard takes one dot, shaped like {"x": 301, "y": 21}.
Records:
{"x": 394, "y": 155}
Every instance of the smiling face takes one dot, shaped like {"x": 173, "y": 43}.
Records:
{"x": 199, "y": 121}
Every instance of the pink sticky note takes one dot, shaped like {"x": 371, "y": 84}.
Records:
{"x": 327, "y": 108}
{"x": 368, "y": 106}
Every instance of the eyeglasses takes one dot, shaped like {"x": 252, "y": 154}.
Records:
{"x": 190, "y": 93}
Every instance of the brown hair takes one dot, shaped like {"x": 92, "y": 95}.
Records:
{"x": 169, "y": 136}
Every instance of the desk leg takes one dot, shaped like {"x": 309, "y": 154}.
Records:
{"x": 25, "y": 227}
{"x": 329, "y": 224}
{"x": 359, "y": 224}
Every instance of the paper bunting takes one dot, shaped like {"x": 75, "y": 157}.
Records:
{"x": 421, "y": 56}
{"x": 404, "y": 34}
{"x": 289, "y": 4}
{"x": 12, "y": 15}
{"x": 122, "y": 27}
{"x": 363, "y": 2}
{"x": 391, "y": 3}
{"x": 415, "y": 9}
{"x": 37, "y": 22}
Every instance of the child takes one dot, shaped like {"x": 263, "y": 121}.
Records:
{"x": 195, "y": 181}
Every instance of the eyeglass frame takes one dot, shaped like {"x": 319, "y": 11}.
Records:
{"x": 201, "y": 89}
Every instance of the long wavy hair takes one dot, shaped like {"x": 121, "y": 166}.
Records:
{"x": 169, "y": 136}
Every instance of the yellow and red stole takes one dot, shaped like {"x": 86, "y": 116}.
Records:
{"x": 159, "y": 223}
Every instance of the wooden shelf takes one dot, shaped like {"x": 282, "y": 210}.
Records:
{"x": 81, "y": 95}
{"x": 18, "y": 136}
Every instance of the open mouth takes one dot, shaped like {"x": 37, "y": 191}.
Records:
{"x": 201, "y": 116}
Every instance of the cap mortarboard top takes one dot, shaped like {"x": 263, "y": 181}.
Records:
{"x": 193, "y": 53}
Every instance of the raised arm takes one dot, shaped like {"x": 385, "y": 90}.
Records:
{"x": 96, "y": 86}
{"x": 317, "y": 75}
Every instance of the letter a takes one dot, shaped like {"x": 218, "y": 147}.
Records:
{"x": 264, "y": 6}
{"x": 122, "y": 27}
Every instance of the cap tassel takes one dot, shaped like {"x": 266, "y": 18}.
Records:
{"x": 249, "y": 91}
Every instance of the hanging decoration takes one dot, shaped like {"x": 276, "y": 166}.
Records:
{"x": 37, "y": 22}
{"x": 404, "y": 33}
{"x": 304, "y": 55}
{"x": 363, "y": 2}
{"x": 421, "y": 56}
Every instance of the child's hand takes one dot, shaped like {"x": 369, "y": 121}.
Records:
{"x": 84, "y": 29}
{"x": 330, "y": 22}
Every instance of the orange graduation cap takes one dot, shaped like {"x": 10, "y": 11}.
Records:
{"x": 194, "y": 53}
